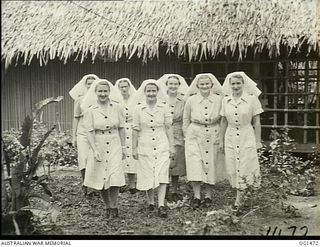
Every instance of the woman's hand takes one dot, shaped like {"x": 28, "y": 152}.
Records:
{"x": 172, "y": 152}
{"x": 221, "y": 147}
{"x": 97, "y": 156}
{"x": 135, "y": 153}
{"x": 124, "y": 153}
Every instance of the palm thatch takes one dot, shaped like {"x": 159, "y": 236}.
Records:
{"x": 115, "y": 29}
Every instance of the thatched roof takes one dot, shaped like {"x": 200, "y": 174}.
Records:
{"x": 191, "y": 28}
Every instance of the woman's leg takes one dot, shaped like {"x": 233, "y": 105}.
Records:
{"x": 114, "y": 192}
{"x": 150, "y": 196}
{"x": 196, "y": 187}
{"x": 208, "y": 191}
{"x": 175, "y": 182}
{"x": 161, "y": 194}
{"x": 162, "y": 211}
{"x": 238, "y": 198}
{"x": 105, "y": 195}
{"x": 132, "y": 182}
{"x": 84, "y": 188}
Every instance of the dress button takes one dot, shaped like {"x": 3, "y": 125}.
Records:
{"x": 154, "y": 149}
{"x": 206, "y": 120}
{"x": 207, "y": 163}
{"x": 238, "y": 159}
{"x": 102, "y": 132}
{"x": 238, "y": 170}
{"x": 107, "y": 152}
{"x": 207, "y": 130}
{"x": 206, "y": 173}
{"x": 153, "y": 129}
{"x": 127, "y": 114}
{"x": 206, "y": 107}
{"x": 236, "y": 106}
{"x": 172, "y": 106}
{"x": 107, "y": 142}
{"x": 127, "y": 128}
{"x": 105, "y": 117}
{"x": 172, "y": 112}
{"x": 206, "y": 114}
{"x": 237, "y": 134}
{"x": 236, "y": 114}
{"x": 109, "y": 132}
{"x": 127, "y": 137}
{"x": 206, "y": 126}
{"x": 151, "y": 120}
{"x": 128, "y": 147}
{"x": 208, "y": 141}
{"x": 237, "y": 128}
{"x": 153, "y": 139}
{"x": 207, "y": 152}
{"x": 237, "y": 146}
{"x": 107, "y": 127}
{"x": 128, "y": 156}
{"x": 236, "y": 121}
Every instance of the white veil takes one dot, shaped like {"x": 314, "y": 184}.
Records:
{"x": 183, "y": 88}
{"x": 80, "y": 88}
{"x": 193, "y": 89}
{"x": 249, "y": 87}
{"x": 132, "y": 89}
{"x": 91, "y": 98}
{"x": 140, "y": 97}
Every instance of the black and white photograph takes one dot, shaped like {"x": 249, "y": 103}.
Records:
{"x": 160, "y": 119}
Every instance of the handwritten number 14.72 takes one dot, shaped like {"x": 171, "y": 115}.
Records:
{"x": 277, "y": 231}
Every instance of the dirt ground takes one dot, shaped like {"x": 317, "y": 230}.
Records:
{"x": 85, "y": 216}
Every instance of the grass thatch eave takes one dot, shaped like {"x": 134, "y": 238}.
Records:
{"x": 59, "y": 29}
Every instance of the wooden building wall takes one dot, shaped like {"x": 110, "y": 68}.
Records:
{"x": 287, "y": 83}
{"x": 23, "y": 86}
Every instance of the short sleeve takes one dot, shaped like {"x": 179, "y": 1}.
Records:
{"x": 122, "y": 118}
{"x": 256, "y": 106}
{"x": 223, "y": 106}
{"x": 88, "y": 120}
{"x": 136, "y": 119}
{"x": 167, "y": 115}
{"x": 77, "y": 110}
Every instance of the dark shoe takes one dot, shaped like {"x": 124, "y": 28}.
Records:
{"x": 114, "y": 213}
{"x": 196, "y": 203}
{"x": 150, "y": 207}
{"x": 108, "y": 212}
{"x": 162, "y": 212}
{"x": 207, "y": 202}
{"x": 133, "y": 191}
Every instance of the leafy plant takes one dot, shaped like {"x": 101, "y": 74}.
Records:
{"x": 282, "y": 174}
{"x": 22, "y": 161}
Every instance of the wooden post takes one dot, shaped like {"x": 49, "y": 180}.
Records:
{"x": 275, "y": 90}
{"x": 305, "y": 114}
{"x": 317, "y": 102}
{"x": 286, "y": 84}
